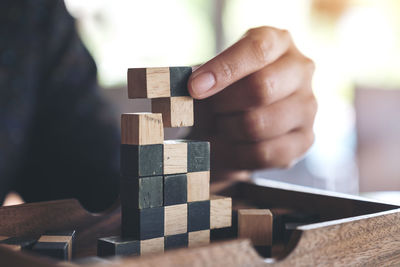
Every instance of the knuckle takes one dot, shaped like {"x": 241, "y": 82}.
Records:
{"x": 253, "y": 125}
{"x": 309, "y": 65}
{"x": 261, "y": 40}
{"x": 228, "y": 69}
{"x": 263, "y": 87}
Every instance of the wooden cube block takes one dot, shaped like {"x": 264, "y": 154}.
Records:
{"x": 150, "y": 246}
{"x": 175, "y": 189}
{"x": 176, "y": 111}
{"x": 117, "y": 246}
{"x": 198, "y": 156}
{"x": 56, "y": 245}
{"x": 141, "y": 160}
{"x": 220, "y": 212}
{"x": 141, "y": 129}
{"x": 175, "y": 219}
{"x": 198, "y": 216}
{"x": 198, "y": 186}
{"x": 141, "y": 223}
{"x": 198, "y": 238}
{"x": 158, "y": 82}
{"x": 142, "y": 192}
{"x": 176, "y": 241}
{"x": 175, "y": 157}
{"x": 18, "y": 242}
{"x": 255, "y": 224}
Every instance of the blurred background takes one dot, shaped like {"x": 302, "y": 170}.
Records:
{"x": 354, "y": 43}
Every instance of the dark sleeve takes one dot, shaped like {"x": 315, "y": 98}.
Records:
{"x": 73, "y": 150}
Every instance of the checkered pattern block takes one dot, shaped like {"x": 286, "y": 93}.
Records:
{"x": 165, "y": 184}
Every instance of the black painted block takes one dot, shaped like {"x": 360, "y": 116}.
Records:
{"x": 117, "y": 246}
{"x": 141, "y": 223}
{"x": 198, "y": 156}
{"x": 143, "y": 192}
{"x": 57, "y": 245}
{"x": 20, "y": 242}
{"x": 175, "y": 189}
{"x": 176, "y": 241}
{"x": 178, "y": 79}
{"x": 198, "y": 215}
{"x": 141, "y": 160}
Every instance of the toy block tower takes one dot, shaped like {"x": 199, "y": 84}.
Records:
{"x": 165, "y": 184}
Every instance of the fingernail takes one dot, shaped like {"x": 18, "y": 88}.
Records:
{"x": 203, "y": 82}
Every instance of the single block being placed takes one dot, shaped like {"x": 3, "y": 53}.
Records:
{"x": 150, "y": 246}
{"x": 176, "y": 111}
{"x": 175, "y": 219}
{"x": 220, "y": 212}
{"x": 198, "y": 186}
{"x": 117, "y": 246}
{"x": 18, "y": 242}
{"x": 141, "y": 160}
{"x": 158, "y": 82}
{"x": 198, "y": 215}
{"x": 56, "y": 245}
{"x": 176, "y": 241}
{"x": 141, "y": 129}
{"x": 198, "y": 156}
{"x": 198, "y": 238}
{"x": 175, "y": 189}
{"x": 141, "y": 223}
{"x": 142, "y": 192}
{"x": 175, "y": 157}
{"x": 256, "y": 224}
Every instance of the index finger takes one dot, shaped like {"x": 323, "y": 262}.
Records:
{"x": 258, "y": 48}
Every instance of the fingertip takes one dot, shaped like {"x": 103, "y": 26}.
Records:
{"x": 200, "y": 84}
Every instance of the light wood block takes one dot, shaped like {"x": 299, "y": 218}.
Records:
{"x": 220, "y": 212}
{"x": 176, "y": 217}
{"x": 255, "y": 224}
{"x": 198, "y": 186}
{"x": 149, "y": 246}
{"x": 199, "y": 238}
{"x": 175, "y": 157}
{"x": 141, "y": 129}
{"x": 148, "y": 82}
{"x": 176, "y": 111}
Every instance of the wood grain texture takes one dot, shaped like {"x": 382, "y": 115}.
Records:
{"x": 198, "y": 156}
{"x": 141, "y": 129}
{"x": 256, "y": 224}
{"x": 176, "y": 111}
{"x": 175, "y": 219}
{"x": 198, "y": 186}
{"x": 148, "y": 82}
{"x": 151, "y": 246}
{"x": 175, "y": 157}
{"x": 199, "y": 238}
{"x": 220, "y": 212}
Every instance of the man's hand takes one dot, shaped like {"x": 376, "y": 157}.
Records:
{"x": 260, "y": 108}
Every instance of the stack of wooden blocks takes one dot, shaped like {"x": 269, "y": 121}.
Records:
{"x": 165, "y": 185}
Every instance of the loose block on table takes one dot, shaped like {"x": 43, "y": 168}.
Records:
{"x": 199, "y": 238}
{"x": 141, "y": 223}
{"x": 198, "y": 156}
{"x": 175, "y": 189}
{"x": 141, "y": 129}
{"x": 175, "y": 219}
{"x": 177, "y": 111}
{"x": 176, "y": 241}
{"x": 158, "y": 82}
{"x": 142, "y": 192}
{"x": 220, "y": 212}
{"x": 198, "y": 215}
{"x": 117, "y": 246}
{"x": 255, "y": 224}
{"x": 141, "y": 160}
{"x": 56, "y": 244}
{"x": 175, "y": 157}
{"x": 18, "y": 242}
{"x": 198, "y": 186}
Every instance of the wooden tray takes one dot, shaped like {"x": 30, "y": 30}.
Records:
{"x": 350, "y": 230}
